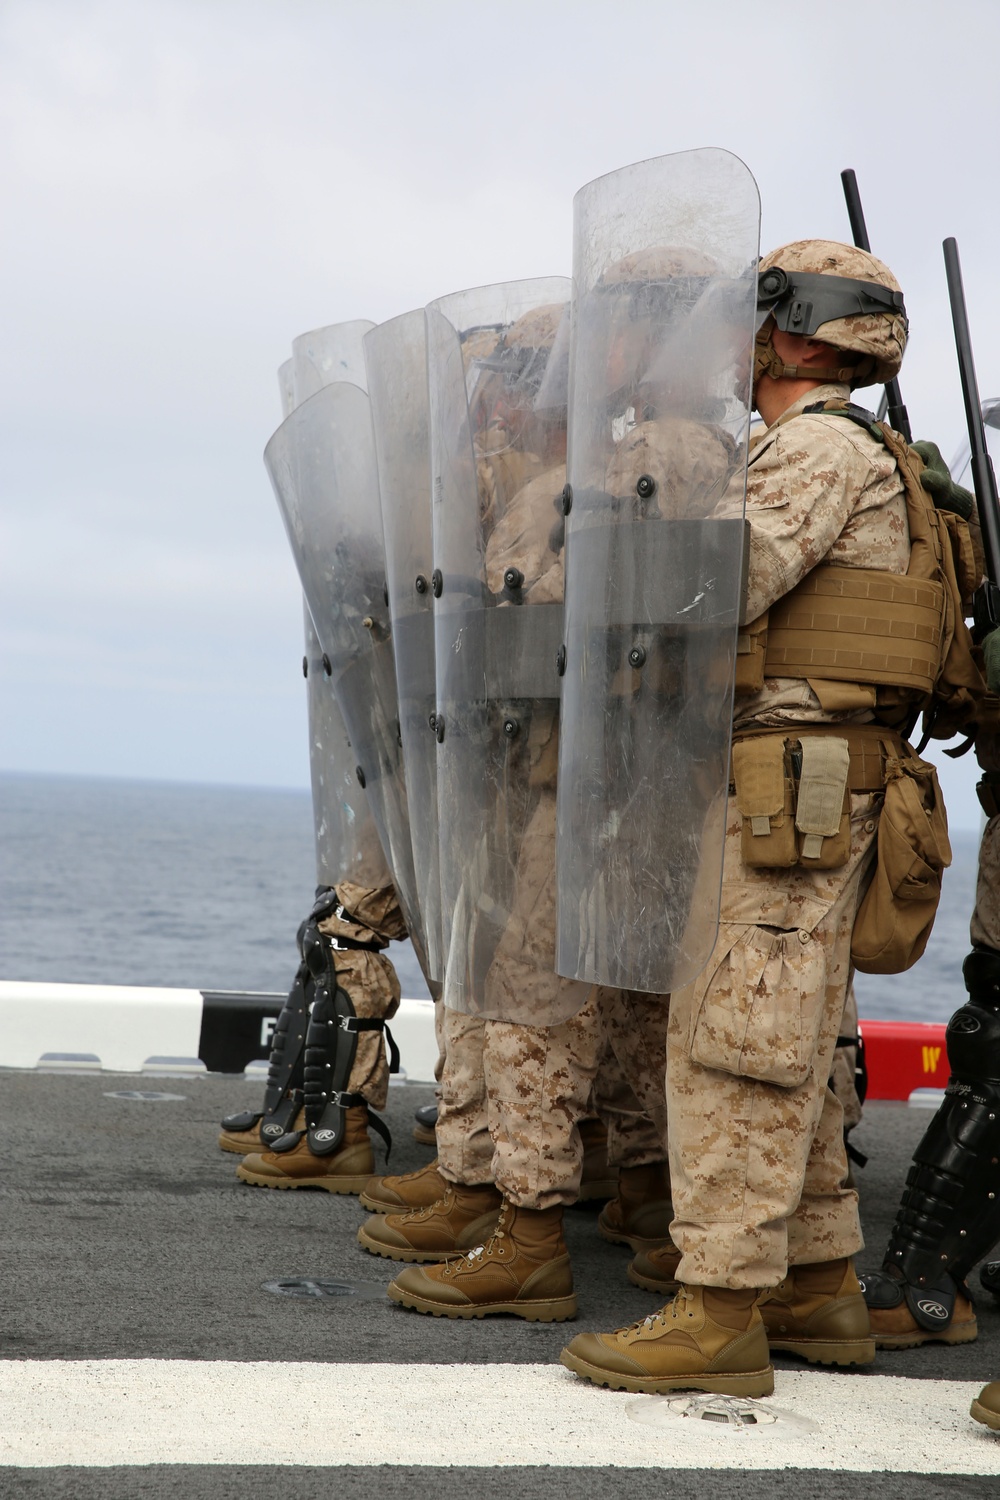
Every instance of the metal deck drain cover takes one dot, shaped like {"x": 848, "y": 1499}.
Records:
{"x": 735, "y": 1416}
{"x": 323, "y": 1286}
{"x": 147, "y": 1096}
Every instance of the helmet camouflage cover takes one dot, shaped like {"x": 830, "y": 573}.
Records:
{"x": 878, "y": 332}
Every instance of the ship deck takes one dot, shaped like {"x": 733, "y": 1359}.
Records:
{"x": 141, "y": 1353}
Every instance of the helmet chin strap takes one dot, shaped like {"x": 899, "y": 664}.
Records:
{"x": 767, "y": 362}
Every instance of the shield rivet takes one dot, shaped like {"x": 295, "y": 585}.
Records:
{"x": 637, "y": 656}
{"x": 327, "y": 669}
{"x": 437, "y": 583}
{"x": 513, "y": 578}
{"x": 385, "y": 593}
{"x": 305, "y": 666}
{"x": 561, "y": 661}
{"x": 439, "y": 727}
{"x": 360, "y": 775}
{"x": 420, "y": 584}
{"x": 567, "y": 499}
{"x": 645, "y": 486}
{"x": 511, "y": 728}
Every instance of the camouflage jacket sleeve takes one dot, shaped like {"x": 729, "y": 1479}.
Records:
{"x": 367, "y": 913}
{"x": 819, "y": 488}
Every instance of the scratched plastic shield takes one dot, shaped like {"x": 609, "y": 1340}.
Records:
{"x": 347, "y": 842}
{"x": 660, "y": 370}
{"x": 322, "y": 467}
{"x": 498, "y": 467}
{"x": 346, "y": 839}
{"x": 396, "y": 362}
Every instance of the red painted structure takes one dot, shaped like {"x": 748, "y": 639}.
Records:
{"x": 902, "y": 1056}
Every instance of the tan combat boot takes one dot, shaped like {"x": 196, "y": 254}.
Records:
{"x": 656, "y": 1270}
{"x": 597, "y": 1180}
{"x": 246, "y": 1142}
{"x": 640, "y": 1215}
{"x": 347, "y": 1170}
{"x": 986, "y": 1406}
{"x": 818, "y": 1312}
{"x": 460, "y": 1218}
{"x": 395, "y": 1195}
{"x": 894, "y": 1325}
{"x": 522, "y": 1269}
{"x": 707, "y": 1339}
{"x": 240, "y": 1142}
{"x": 425, "y": 1125}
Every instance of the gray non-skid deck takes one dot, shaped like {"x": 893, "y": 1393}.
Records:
{"x": 125, "y": 1234}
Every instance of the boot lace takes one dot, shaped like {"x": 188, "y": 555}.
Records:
{"x": 473, "y": 1258}
{"x": 669, "y": 1313}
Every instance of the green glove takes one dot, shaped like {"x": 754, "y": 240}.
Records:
{"x": 991, "y": 650}
{"x": 937, "y": 481}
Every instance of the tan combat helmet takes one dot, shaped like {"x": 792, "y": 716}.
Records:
{"x": 839, "y": 294}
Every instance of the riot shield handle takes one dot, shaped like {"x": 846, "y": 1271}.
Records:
{"x": 896, "y": 413}
{"x": 986, "y": 600}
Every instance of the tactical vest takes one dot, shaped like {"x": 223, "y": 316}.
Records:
{"x": 864, "y": 638}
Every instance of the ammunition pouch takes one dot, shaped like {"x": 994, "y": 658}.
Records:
{"x": 793, "y": 787}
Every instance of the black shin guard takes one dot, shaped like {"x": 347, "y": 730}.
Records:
{"x": 331, "y": 1044}
{"x": 949, "y": 1217}
{"x": 283, "y": 1092}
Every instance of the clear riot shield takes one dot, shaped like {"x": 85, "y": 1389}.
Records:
{"x": 347, "y": 841}
{"x": 286, "y": 385}
{"x": 322, "y": 466}
{"x": 660, "y": 374}
{"x": 498, "y": 469}
{"x": 396, "y": 364}
{"x": 329, "y": 356}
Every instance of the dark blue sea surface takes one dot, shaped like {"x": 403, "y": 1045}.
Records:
{"x": 203, "y": 887}
{"x": 157, "y": 883}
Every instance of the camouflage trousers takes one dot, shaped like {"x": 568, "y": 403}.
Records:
{"x": 757, "y": 1159}
{"x": 370, "y": 981}
{"x": 367, "y": 977}
{"x": 514, "y": 1118}
{"x": 541, "y": 1081}
{"x": 985, "y": 925}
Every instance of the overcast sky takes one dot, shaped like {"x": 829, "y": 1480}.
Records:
{"x": 186, "y": 186}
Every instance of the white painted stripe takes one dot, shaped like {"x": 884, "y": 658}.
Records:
{"x": 121, "y": 1412}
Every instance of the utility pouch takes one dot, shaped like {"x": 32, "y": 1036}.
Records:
{"x": 895, "y": 918}
{"x": 823, "y": 803}
{"x": 765, "y": 795}
{"x": 751, "y": 648}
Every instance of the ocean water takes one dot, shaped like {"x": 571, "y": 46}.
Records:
{"x": 133, "y": 882}
{"x": 203, "y": 887}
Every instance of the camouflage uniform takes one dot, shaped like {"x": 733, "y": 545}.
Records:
{"x": 542, "y": 1080}
{"x": 633, "y": 1109}
{"x": 756, "y": 1143}
{"x": 464, "y": 1145}
{"x": 368, "y": 977}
